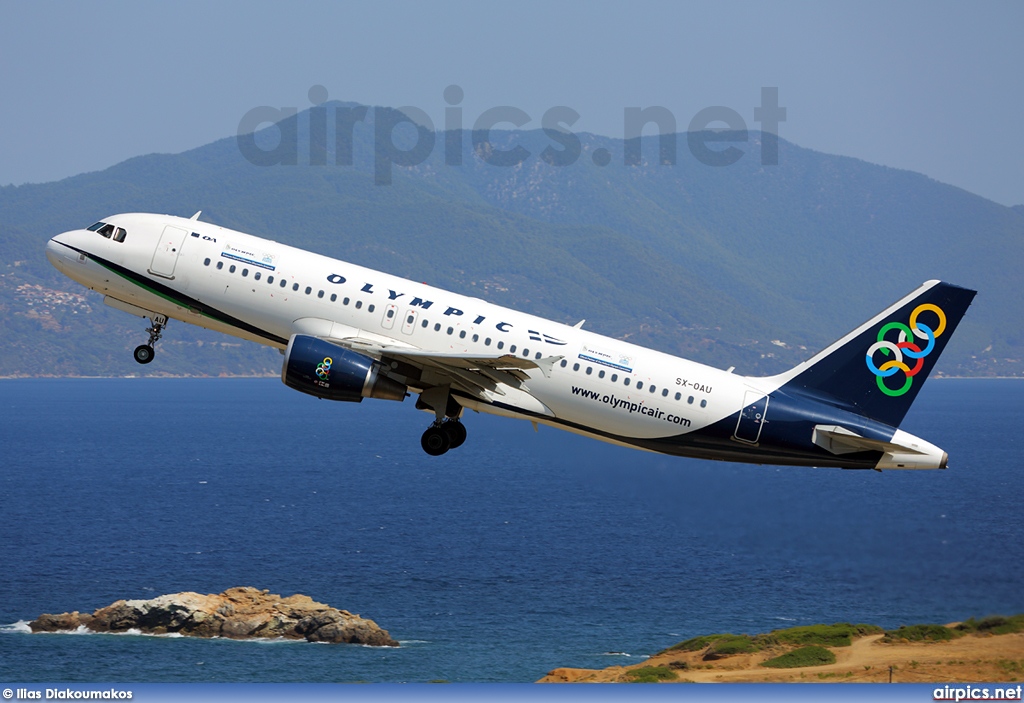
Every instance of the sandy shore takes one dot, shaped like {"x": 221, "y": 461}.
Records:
{"x": 991, "y": 658}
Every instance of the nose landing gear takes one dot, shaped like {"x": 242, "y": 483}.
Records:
{"x": 144, "y": 352}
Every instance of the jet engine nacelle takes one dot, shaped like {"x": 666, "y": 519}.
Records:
{"x": 326, "y": 370}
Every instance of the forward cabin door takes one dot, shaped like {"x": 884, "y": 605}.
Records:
{"x": 166, "y": 255}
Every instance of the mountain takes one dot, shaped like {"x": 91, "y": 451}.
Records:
{"x": 749, "y": 265}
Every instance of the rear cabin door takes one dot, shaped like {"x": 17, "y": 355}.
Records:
{"x": 755, "y": 407}
{"x": 167, "y": 250}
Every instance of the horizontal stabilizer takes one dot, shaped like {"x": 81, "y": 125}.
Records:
{"x": 903, "y": 451}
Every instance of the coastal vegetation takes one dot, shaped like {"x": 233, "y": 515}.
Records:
{"x": 652, "y": 674}
{"x": 804, "y": 656}
{"x": 978, "y": 649}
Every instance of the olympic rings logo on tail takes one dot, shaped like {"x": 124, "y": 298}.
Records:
{"x": 323, "y": 369}
{"x": 903, "y": 348}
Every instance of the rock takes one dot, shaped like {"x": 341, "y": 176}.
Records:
{"x": 60, "y": 623}
{"x": 238, "y": 613}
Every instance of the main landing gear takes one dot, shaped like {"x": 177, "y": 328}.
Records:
{"x": 447, "y": 431}
{"x": 144, "y": 352}
{"x": 440, "y": 437}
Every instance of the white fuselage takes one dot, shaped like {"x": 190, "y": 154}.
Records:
{"x": 231, "y": 282}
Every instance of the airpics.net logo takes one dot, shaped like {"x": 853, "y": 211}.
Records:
{"x": 406, "y": 136}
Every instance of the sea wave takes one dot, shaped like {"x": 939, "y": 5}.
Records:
{"x": 20, "y": 626}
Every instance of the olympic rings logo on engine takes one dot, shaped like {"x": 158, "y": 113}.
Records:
{"x": 323, "y": 369}
{"x": 904, "y": 352}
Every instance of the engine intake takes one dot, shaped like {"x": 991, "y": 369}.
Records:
{"x": 326, "y": 370}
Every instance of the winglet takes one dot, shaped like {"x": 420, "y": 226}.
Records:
{"x": 196, "y": 216}
{"x": 547, "y": 364}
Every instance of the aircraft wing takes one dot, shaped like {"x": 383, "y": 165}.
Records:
{"x": 471, "y": 373}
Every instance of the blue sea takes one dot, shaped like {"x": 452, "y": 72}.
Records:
{"x": 520, "y": 552}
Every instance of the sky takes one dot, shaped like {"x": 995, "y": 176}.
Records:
{"x": 933, "y": 87}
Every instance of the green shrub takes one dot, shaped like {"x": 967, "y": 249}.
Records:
{"x": 840, "y": 634}
{"x": 652, "y": 674}
{"x": 728, "y": 645}
{"x": 995, "y": 624}
{"x": 920, "y": 633}
{"x": 805, "y": 656}
{"x": 694, "y": 644}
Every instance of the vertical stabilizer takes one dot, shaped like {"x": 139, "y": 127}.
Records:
{"x": 878, "y": 369}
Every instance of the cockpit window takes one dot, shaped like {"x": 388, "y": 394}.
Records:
{"x": 106, "y": 231}
{"x": 120, "y": 234}
{"x": 96, "y": 226}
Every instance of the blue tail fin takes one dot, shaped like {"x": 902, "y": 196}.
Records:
{"x": 877, "y": 369}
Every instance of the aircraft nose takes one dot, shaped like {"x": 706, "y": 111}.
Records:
{"x": 55, "y": 254}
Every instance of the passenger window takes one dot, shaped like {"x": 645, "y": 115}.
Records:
{"x": 206, "y": 262}
{"x": 119, "y": 235}
{"x": 678, "y": 395}
{"x": 256, "y": 275}
{"x": 526, "y": 352}
{"x": 664, "y": 392}
{"x": 334, "y": 297}
{"x": 220, "y": 265}
{"x": 437, "y": 326}
{"x": 690, "y": 400}
{"x": 625, "y": 381}
{"x": 589, "y": 370}
{"x": 651, "y": 388}
{"x": 359, "y": 304}
{"x": 270, "y": 280}
{"x": 575, "y": 367}
{"x": 231, "y": 269}
{"x": 538, "y": 355}
{"x": 487, "y": 341}
{"x": 345, "y": 301}
{"x": 462, "y": 334}
{"x": 245, "y": 273}
{"x": 704, "y": 403}
{"x": 411, "y": 319}
{"x": 564, "y": 363}
{"x": 370, "y": 308}
{"x": 476, "y": 338}
{"x": 309, "y": 290}
{"x": 424, "y": 325}
{"x": 512, "y": 349}
{"x": 600, "y": 374}
{"x": 615, "y": 377}
{"x": 639, "y": 385}
{"x": 501, "y": 345}
{"x": 284, "y": 283}
{"x": 390, "y": 314}
{"x": 451, "y": 330}
{"x": 295, "y": 286}
{"x": 320, "y": 294}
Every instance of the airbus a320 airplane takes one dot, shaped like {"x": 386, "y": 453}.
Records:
{"x": 349, "y": 333}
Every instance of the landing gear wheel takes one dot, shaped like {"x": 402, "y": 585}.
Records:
{"x": 144, "y": 353}
{"x": 435, "y": 441}
{"x": 456, "y": 432}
